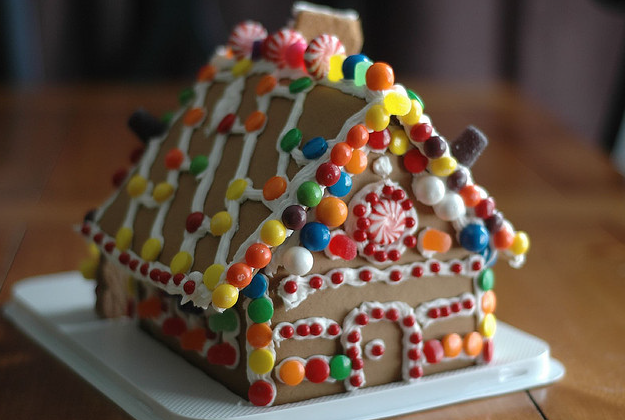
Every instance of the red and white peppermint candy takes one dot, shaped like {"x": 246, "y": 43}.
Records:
{"x": 243, "y": 37}
{"x": 318, "y": 53}
{"x": 388, "y": 221}
{"x": 276, "y": 45}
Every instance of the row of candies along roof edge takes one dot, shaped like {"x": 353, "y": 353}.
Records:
{"x": 430, "y": 190}
{"x": 378, "y": 77}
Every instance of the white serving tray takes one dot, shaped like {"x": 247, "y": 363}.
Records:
{"x": 149, "y": 381}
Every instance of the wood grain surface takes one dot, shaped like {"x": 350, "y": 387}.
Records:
{"x": 59, "y": 147}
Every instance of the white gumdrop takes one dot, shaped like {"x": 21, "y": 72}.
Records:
{"x": 450, "y": 208}
{"x": 297, "y": 260}
{"x": 428, "y": 189}
{"x": 382, "y": 166}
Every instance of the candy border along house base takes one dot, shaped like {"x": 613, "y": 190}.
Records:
{"x": 298, "y": 227}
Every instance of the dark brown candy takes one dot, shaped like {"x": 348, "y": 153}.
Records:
{"x": 468, "y": 147}
{"x": 145, "y": 125}
{"x": 457, "y": 180}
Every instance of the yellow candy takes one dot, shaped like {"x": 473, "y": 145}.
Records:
{"x": 136, "y": 186}
{"x": 443, "y": 166}
{"x": 273, "y": 233}
{"x": 336, "y": 68}
{"x": 377, "y": 118}
{"x": 261, "y": 361}
{"x": 162, "y": 192}
{"x": 221, "y": 223}
{"x": 225, "y": 296}
{"x": 94, "y": 251}
{"x": 236, "y": 189}
{"x": 123, "y": 238}
{"x": 520, "y": 243}
{"x": 488, "y": 325}
{"x": 212, "y": 275}
{"x": 131, "y": 286}
{"x": 150, "y": 250}
{"x": 181, "y": 262}
{"x": 414, "y": 115}
{"x": 89, "y": 268}
{"x": 399, "y": 142}
{"x": 397, "y": 104}
{"x": 242, "y": 67}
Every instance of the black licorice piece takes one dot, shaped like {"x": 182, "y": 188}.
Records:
{"x": 145, "y": 125}
{"x": 89, "y": 216}
{"x": 468, "y": 147}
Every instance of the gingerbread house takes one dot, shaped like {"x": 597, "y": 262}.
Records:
{"x": 298, "y": 227}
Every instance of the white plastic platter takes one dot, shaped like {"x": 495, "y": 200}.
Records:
{"x": 149, "y": 381}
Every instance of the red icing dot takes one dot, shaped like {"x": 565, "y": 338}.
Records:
{"x": 97, "y": 238}
{"x": 363, "y": 223}
{"x": 145, "y": 267}
{"x": 136, "y": 154}
{"x": 225, "y": 125}
{"x": 417, "y": 271}
{"x": 435, "y": 267}
{"x": 194, "y": 221}
{"x": 334, "y": 329}
{"x": 359, "y": 210}
{"x": 416, "y": 372}
{"x": 476, "y": 266}
{"x": 488, "y": 350}
{"x": 369, "y": 249}
{"x": 445, "y": 310}
{"x": 357, "y": 363}
{"x": 343, "y": 246}
{"x": 410, "y": 241}
{"x": 189, "y": 287}
{"x": 410, "y": 222}
{"x": 260, "y": 393}
{"x": 467, "y": 304}
{"x": 434, "y": 313}
{"x": 398, "y": 195}
{"x": 415, "y": 338}
{"x": 365, "y": 275}
{"x": 408, "y": 321}
{"x": 155, "y": 274}
{"x": 377, "y": 313}
{"x": 362, "y": 319}
{"x": 433, "y": 351}
{"x": 395, "y": 275}
{"x": 85, "y": 230}
{"x": 303, "y": 330}
{"x": 178, "y": 279}
{"x": 124, "y": 258}
{"x": 356, "y": 380}
{"x": 315, "y": 282}
{"x": 133, "y": 264}
{"x": 456, "y": 268}
{"x": 353, "y": 352}
{"x": 290, "y": 287}
{"x": 388, "y": 190}
{"x": 316, "y": 329}
{"x": 394, "y": 255}
{"x": 456, "y": 307}
{"x": 406, "y": 204}
{"x": 415, "y": 162}
{"x": 337, "y": 278}
{"x": 287, "y": 331}
{"x": 414, "y": 354}
{"x": 174, "y": 326}
{"x": 380, "y": 139}
{"x": 119, "y": 176}
{"x": 360, "y": 235}
{"x": 381, "y": 256}
{"x": 372, "y": 198}
{"x": 109, "y": 247}
{"x": 392, "y": 314}
{"x": 353, "y": 337}
{"x": 164, "y": 277}
{"x": 421, "y": 132}
{"x": 317, "y": 370}
{"x": 377, "y": 350}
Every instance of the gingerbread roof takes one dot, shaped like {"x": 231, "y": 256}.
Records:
{"x": 261, "y": 153}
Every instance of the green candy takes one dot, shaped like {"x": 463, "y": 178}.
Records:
{"x": 185, "y": 96}
{"x": 260, "y": 310}
{"x": 225, "y": 321}
{"x": 300, "y": 84}
{"x": 291, "y": 139}
{"x": 486, "y": 280}
{"x": 168, "y": 117}
{"x": 340, "y": 367}
{"x": 309, "y": 194}
{"x": 360, "y": 72}
{"x": 198, "y": 165}
{"x": 413, "y": 95}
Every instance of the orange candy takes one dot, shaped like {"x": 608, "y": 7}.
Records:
{"x": 266, "y": 85}
{"x": 358, "y": 162}
{"x": 452, "y": 345}
{"x": 149, "y": 308}
{"x": 470, "y": 195}
{"x": 258, "y": 255}
{"x": 193, "y": 339}
{"x": 357, "y": 136}
{"x": 239, "y": 275}
{"x": 435, "y": 240}
{"x": 341, "y": 154}
{"x": 259, "y": 335}
{"x": 193, "y": 116}
{"x": 503, "y": 238}
{"x": 174, "y": 158}
{"x": 255, "y": 121}
{"x": 489, "y": 302}
{"x": 274, "y": 188}
{"x": 207, "y": 73}
{"x": 331, "y": 211}
{"x": 380, "y": 76}
{"x": 292, "y": 372}
{"x": 472, "y": 344}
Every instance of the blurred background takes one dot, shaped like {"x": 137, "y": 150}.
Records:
{"x": 567, "y": 54}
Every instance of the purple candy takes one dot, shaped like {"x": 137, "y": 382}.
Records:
{"x": 469, "y": 146}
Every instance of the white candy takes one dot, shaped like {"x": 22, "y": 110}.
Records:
{"x": 450, "y": 208}
{"x": 428, "y": 189}
{"x": 297, "y": 260}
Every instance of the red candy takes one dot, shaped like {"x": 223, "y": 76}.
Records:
{"x": 318, "y": 53}
{"x": 433, "y": 351}
{"x": 328, "y": 174}
{"x": 260, "y": 393}
{"x": 380, "y": 139}
{"x": 294, "y": 55}
{"x": 415, "y": 162}
{"x": 194, "y": 221}
{"x": 174, "y": 158}
{"x": 317, "y": 370}
{"x": 226, "y": 123}
{"x": 344, "y": 247}
{"x": 174, "y": 326}
{"x": 421, "y": 132}
{"x": 243, "y": 36}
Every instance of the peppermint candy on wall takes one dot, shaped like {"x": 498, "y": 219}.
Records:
{"x": 318, "y": 53}
{"x": 243, "y": 36}
{"x": 276, "y": 45}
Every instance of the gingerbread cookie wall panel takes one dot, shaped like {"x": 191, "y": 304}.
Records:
{"x": 383, "y": 352}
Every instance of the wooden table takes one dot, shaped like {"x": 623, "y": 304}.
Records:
{"x": 60, "y": 146}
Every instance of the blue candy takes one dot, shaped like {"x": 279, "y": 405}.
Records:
{"x": 315, "y": 236}
{"x": 315, "y": 148}
{"x": 349, "y": 64}
{"x": 256, "y": 288}
{"x": 474, "y": 237}
{"x": 343, "y": 186}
